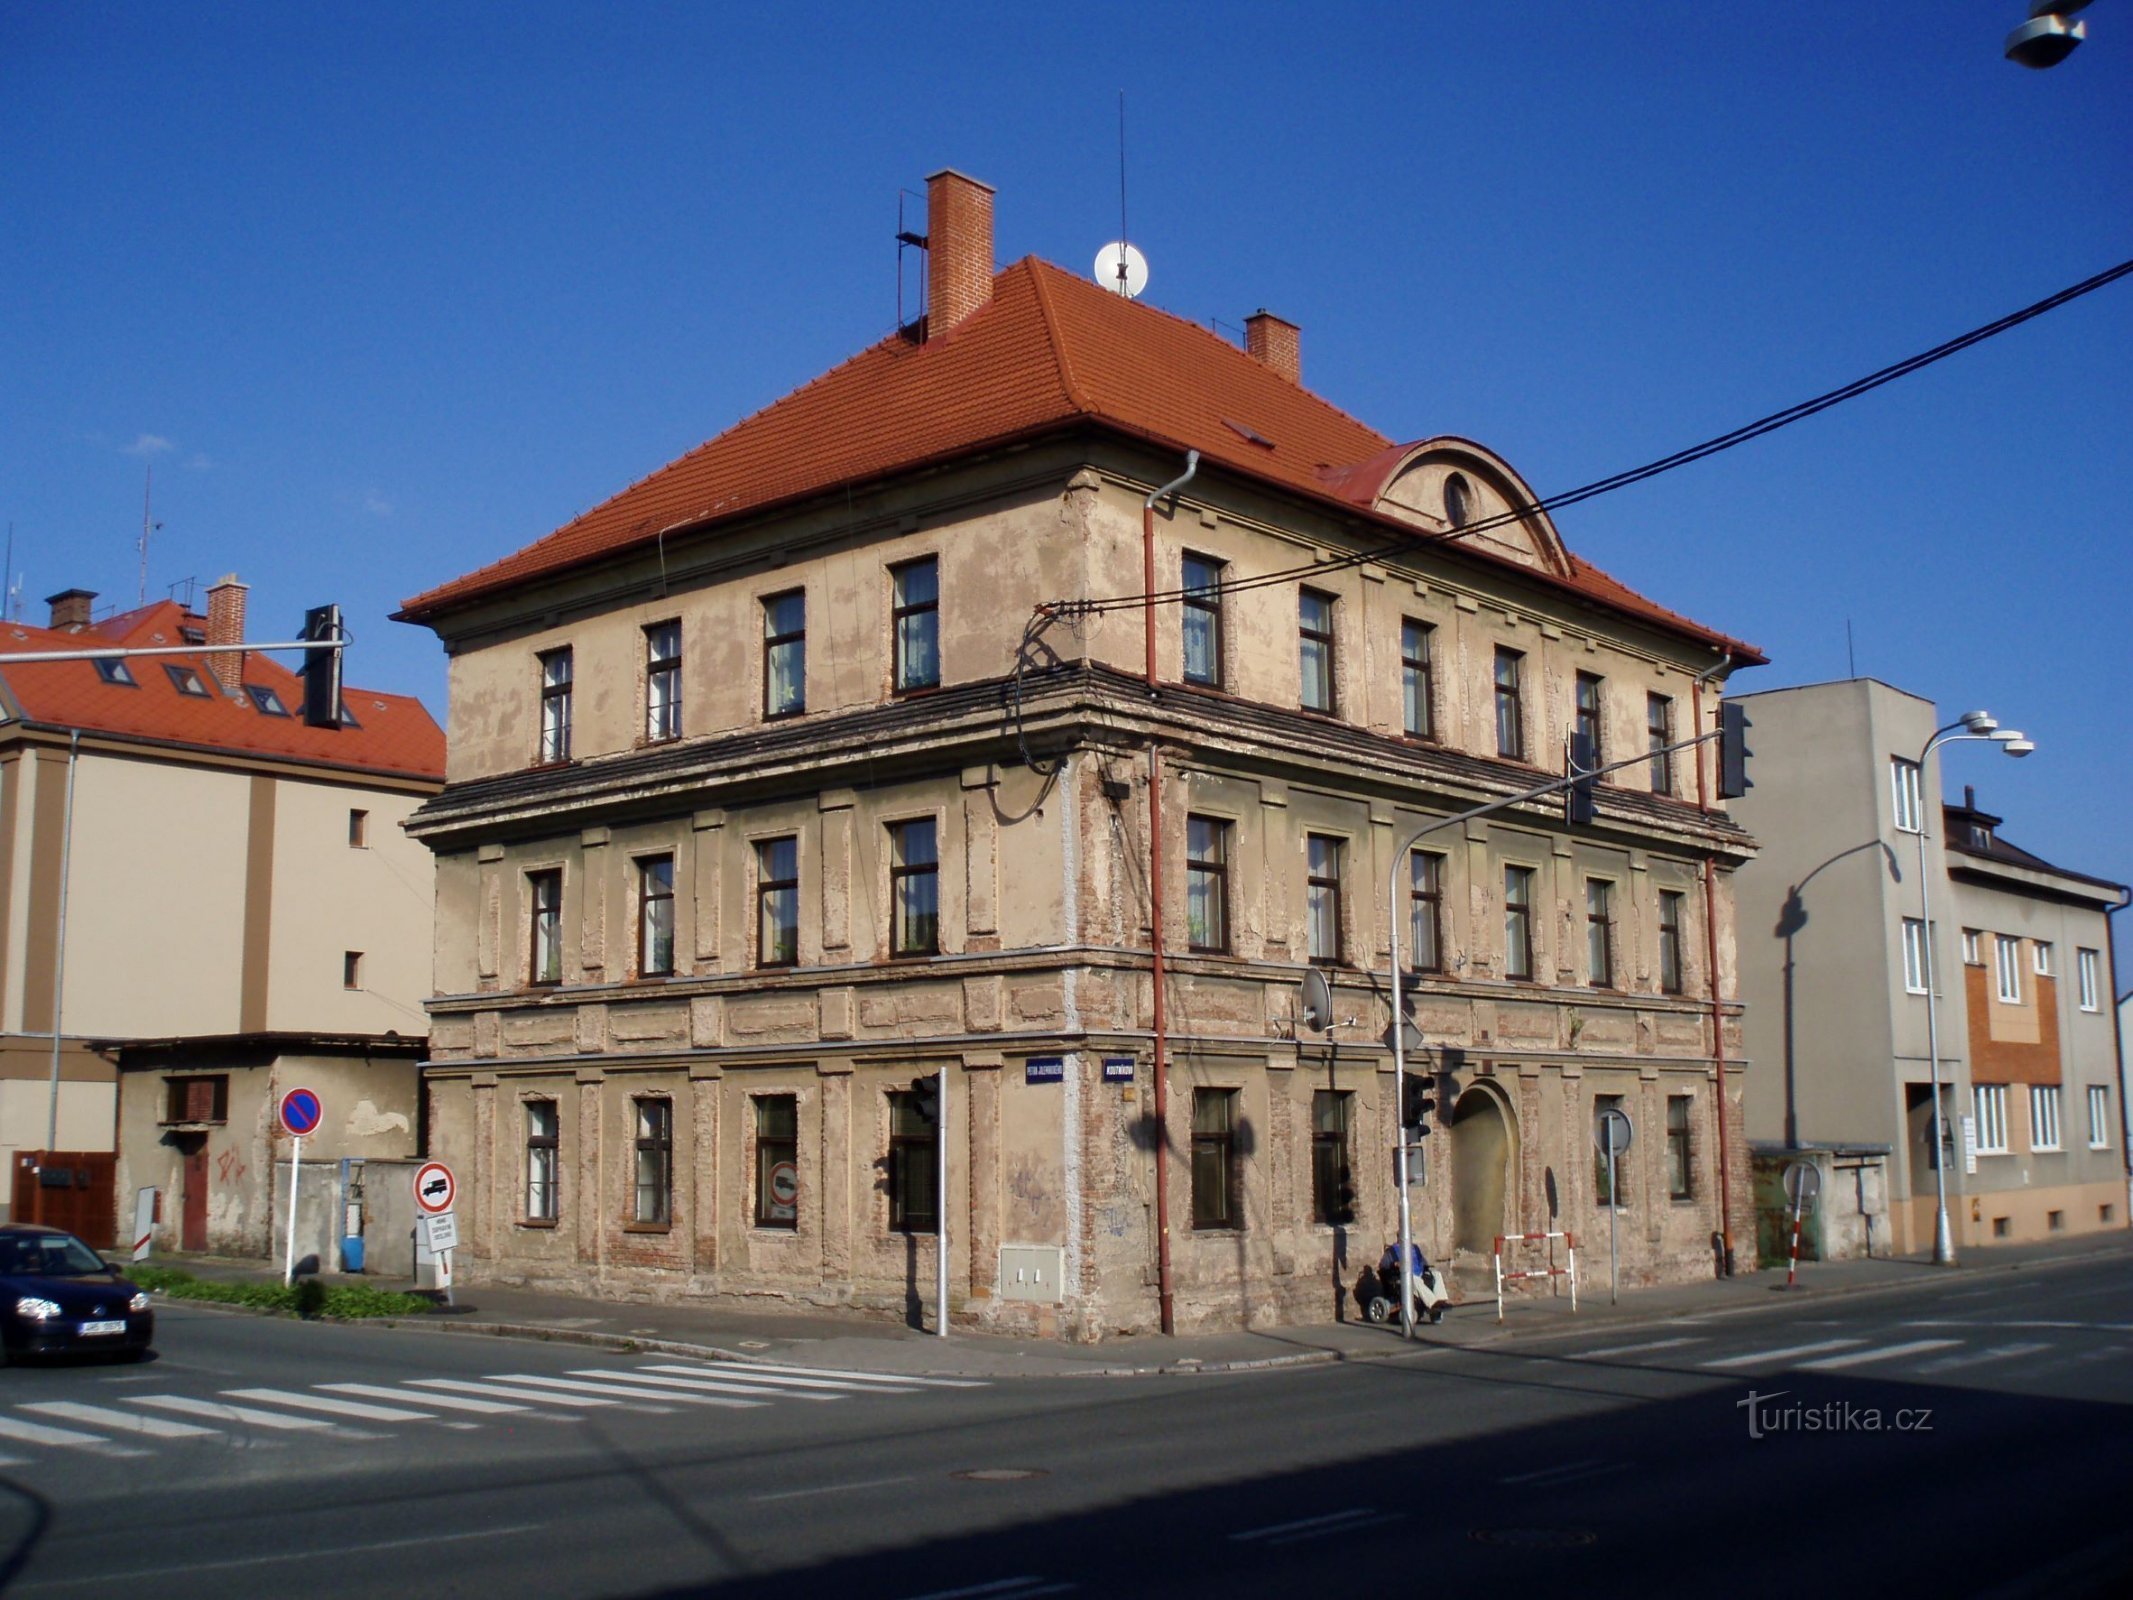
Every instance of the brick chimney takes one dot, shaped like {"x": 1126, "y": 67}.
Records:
{"x": 1276, "y": 342}
{"x": 70, "y": 609}
{"x": 958, "y": 248}
{"x": 225, "y": 625}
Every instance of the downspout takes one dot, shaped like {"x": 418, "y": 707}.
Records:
{"x": 59, "y": 972}
{"x": 2118, "y": 1042}
{"x": 1164, "y": 1299}
{"x": 1710, "y": 939}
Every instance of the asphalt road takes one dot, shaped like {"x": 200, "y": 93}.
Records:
{"x": 1967, "y": 1438}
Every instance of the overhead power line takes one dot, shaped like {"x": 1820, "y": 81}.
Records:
{"x": 1651, "y": 469}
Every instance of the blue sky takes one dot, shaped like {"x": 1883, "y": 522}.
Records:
{"x": 383, "y": 292}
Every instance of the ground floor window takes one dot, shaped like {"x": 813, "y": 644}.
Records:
{"x": 914, "y": 1138}
{"x": 542, "y": 1201}
{"x": 1605, "y": 1194}
{"x": 777, "y": 1161}
{"x": 2099, "y": 1117}
{"x": 1214, "y": 1158}
{"x": 1991, "y": 1101}
{"x": 655, "y": 1161}
{"x": 2044, "y": 1116}
{"x": 1678, "y": 1168}
{"x": 1332, "y": 1180}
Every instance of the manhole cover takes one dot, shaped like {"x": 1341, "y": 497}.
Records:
{"x": 1536, "y": 1538}
{"x": 998, "y": 1474}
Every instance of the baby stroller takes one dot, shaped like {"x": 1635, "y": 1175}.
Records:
{"x": 1429, "y": 1291}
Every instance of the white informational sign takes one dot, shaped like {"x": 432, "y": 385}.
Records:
{"x": 1969, "y": 1144}
{"x": 443, "y": 1232}
{"x": 144, "y": 1221}
{"x": 443, "y": 1268}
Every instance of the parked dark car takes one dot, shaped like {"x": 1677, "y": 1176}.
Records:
{"x": 59, "y": 1297}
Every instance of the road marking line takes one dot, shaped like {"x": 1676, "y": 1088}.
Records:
{"x": 2074, "y": 1327}
{"x": 1630, "y": 1349}
{"x": 626, "y": 1392}
{"x": 2000, "y": 1352}
{"x": 1327, "y": 1520}
{"x": 999, "y": 1589}
{"x": 828, "y": 1488}
{"x": 850, "y": 1377}
{"x": 104, "y": 1579}
{"x": 700, "y": 1385}
{"x": 227, "y": 1413}
{"x": 336, "y": 1408}
{"x": 763, "y": 1375}
{"x": 1887, "y": 1352}
{"x": 1577, "y": 1474}
{"x": 378, "y": 1391}
{"x": 1784, "y": 1354}
{"x": 123, "y": 1422}
{"x": 1379, "y": 1520}
{"x": 536, "y": 1396}
{"x": 1549, "y": 1472}
{"x": 38, "y": 1433}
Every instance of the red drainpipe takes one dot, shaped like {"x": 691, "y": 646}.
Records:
{"x": 1710, "y": 940}
{"x": 1165, "y": 1299}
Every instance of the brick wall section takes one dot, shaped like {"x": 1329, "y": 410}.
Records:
{"x": 958, "y": 248}
{"x": 1275, "y": 342}
{"x": 2007, "y": 1060}
{"x": 225, "y": 625}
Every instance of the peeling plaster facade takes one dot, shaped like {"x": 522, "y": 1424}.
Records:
{"x": 1037, "y": 783}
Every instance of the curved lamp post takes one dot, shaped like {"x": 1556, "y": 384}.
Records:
{"x": 1970, "y": 725}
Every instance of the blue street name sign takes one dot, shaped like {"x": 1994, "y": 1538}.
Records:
{"x": 1044, "y": 1069}
{"x": 1118, "y": 1069}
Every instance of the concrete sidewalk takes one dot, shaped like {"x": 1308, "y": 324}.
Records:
{"x": 853, "y": 1341}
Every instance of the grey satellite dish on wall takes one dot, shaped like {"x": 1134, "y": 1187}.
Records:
{"x": 1317, "y": 1001}
{"x": 1122, "y": 269}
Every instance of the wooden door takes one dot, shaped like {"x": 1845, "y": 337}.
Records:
{"x": 192, "y": 1220}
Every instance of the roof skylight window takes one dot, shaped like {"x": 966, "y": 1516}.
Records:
{"x": 268, "y": 702}
{"x": 1251, "y": 434}
{"x": 114, "y": 670}
{"x": 186, "y": 681}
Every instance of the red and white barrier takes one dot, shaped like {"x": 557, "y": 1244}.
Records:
{"x": 1551, "y": 1270}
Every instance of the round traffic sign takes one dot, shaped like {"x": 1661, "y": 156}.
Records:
{"x": 784, "y": 1184}
{"x": 301, "y": 1111}
{"x": 1803, "y": 1185}
{"x": 434, "y": 1188}
{"x": 1611, "y": 1132}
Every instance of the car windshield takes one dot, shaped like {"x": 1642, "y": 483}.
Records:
{"x": 47, "y": 1255}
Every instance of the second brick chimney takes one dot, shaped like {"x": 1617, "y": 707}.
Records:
{"x": 958, "y": 249}
{"x": 70, "y": 609}
{"x": 225, "y": 625}
{"x": 1275, "y": 341}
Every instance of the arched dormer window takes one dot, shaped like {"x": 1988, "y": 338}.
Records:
{"x": 1458, "y": 501}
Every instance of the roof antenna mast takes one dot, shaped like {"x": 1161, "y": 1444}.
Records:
{"x": 147, "y": 527}
{"x": 1125, "y": 239}
{"x": 1119, "y": 267}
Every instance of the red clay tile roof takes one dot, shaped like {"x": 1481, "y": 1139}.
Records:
{"x": 1051, "y": 350}
{"x": 394, "y": 734}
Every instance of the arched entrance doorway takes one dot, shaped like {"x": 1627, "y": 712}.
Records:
{"x": 1484, "y": 1133}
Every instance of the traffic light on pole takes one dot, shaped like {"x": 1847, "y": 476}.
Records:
{"x": 926, "y": 1097}
{"x": 1733, "y": 751}
{"x": 1579, "y": 805}
{"x": 1418, "y": 1101}
{"x": 322, "y": 668}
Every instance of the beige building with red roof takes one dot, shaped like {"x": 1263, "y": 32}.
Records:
{"x": 241, "y": 910}
{"x": 903, "y": 729}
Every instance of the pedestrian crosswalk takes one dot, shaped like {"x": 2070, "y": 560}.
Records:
{"x": 123, "y": 1424}
{"x": 1951, "y": 1348}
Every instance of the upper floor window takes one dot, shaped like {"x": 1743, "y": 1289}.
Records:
{"x": 358, "y": 830}
{"x": 113, "y": 669}
{"x": 1201, "y": 586}
{"x": 1518, "y": 922}
{"x": 1322, "y": 898}
{"x": 204, "y": 1099}
{"x": 655, "y": 916}
{"x": 1599, "y": 933}
{"x": 2007, "y": 954}
{"x": 777, "y": 902}
{"x": 1670, "y": 970}
{"x": 186, "y": 681}
{"x": 914, "y": 889}
{"x": 785, "y": 654}
{"x": 1588, "y": 720}
{"x": 662, "y": 681}
{"x": 544, "y": 895}
{"x": 1658, "y": 734}
{"x": 916, "y": 624}
{"x": 1207, "y": 884}
{"x": 1973, "y": 956}
{"x": 1904, "y": 795}
{"x": 265, "y": 700}
{"x": 1915, "y": 960}
{"x": 351, "y": 969}
{"x": 2041, "y": 954}
{"x": 2086, "y": 972}
{"x": 1425, "y": 910}
{"x": 1417, "y": 680}
{"x": 1458, "y": 501}
{"x": 555, "y": 705}
{"x": 1314, "y": 634}
{"x": 1510, "y": 709}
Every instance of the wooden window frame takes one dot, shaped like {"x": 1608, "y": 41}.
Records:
{"x": 1425, "y": 898}
{"x": 544, "y": 919}
{"x": 1203, "y": 601}
{"x": 909, "y": 1149}
{"x": 1325, "y": 639}
{"x": 1332, "y": 1159}
{"x": 1329, "y": 882}
{"x": 652, "y": 893}
{"x": 1588, "y": 714}
{"x": 772, "y": 1147}
{"x": 1673, "y": 968}
{"x": 181, "y": 1091}
{"x": 656, "y": 1144}
{"x": 1519, "y": 912}
{"x": 543, "y": 1196}
{"x": 1600, "y": 933}
{"x": 794, "y": 639}
{"x": 1510, "y": 702}
{"x": 1601, "y": 1196}
{"x": 1418, "y": 679}
{"x": 767, "y": 887}
{"x": 1680, "y": 1165}
{"x": 899, "y": 611}
{"x": 1212, "y": 871}
{"x": 1658, "y": 734}
{"x": 1215, "y": 1210}
{"x": 902, "y": 873}
{"x": 558, "y": 677}
{"x": 662, "y": 682}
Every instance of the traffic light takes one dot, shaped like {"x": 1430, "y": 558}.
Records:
{"x": 1733, "y": 751}
{"x": 322, "y": 669}
{"x": 1418, "y": 1102}
{"x": 926, "y": 1097}
{"x": 1579, "y": 806}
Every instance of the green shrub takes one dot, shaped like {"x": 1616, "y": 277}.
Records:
{"x": 308, "y": 1297}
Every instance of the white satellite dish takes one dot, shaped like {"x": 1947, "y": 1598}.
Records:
{"x": 1122, "y": 269}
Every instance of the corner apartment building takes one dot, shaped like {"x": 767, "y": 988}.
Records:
{"x": 1836, "y": 954}
{"x": 894, "y": 732}
{"x": 207, "y": 901}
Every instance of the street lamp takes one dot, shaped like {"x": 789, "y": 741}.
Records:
{"x": 1970, "y": 725}
{"x": 2048, "y": 37}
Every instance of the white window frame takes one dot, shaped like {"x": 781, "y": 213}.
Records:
{"x": 2007, "y": 958}
{"x": 2087, "y": 967}
{"x": 1915, "y": 957}
{"x": 1973, "y": 951}
{"x": 2044, "y": 1108}
{"x": 1989, "y": 1101}
{"x": 1907, "y": 795}
{"x": 2040, "y": 954}
{"x": 2099, "y": 1117}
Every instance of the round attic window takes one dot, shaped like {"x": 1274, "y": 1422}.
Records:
{"x": 1458, "y": 500}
